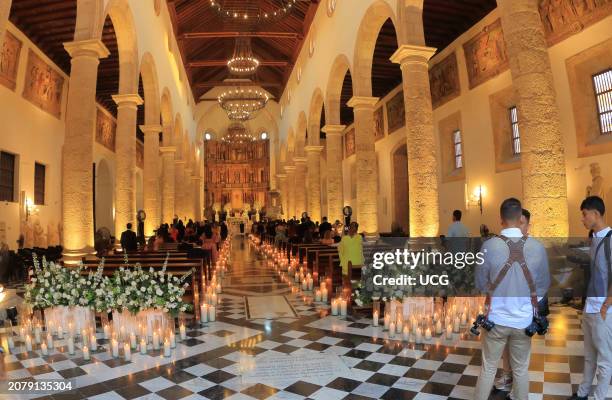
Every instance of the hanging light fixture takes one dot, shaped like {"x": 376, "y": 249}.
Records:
{"x": 238, "y": 133}
{"x": 250, "y": 12}
{"x": 242, "y": 104}
{"x": 243, "y": 62}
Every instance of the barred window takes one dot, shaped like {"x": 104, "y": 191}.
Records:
{"x": 516, "y": 136}
{"x": 7, "y": 176}
{"x": 602, "y": 83}
{"x": 39, "y": 184}
{"x": 458, "y": 145}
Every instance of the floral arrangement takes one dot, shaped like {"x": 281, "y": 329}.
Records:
{"x": 55, "y": 285}
{"x": 130, "y": 288}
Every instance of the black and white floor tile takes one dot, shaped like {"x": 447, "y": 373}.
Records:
{"x": 214, "y": 360}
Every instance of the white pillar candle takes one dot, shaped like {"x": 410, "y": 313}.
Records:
{"x": 392, "y": 329}
{"x": 115, "y": 347}
{"x": 318, "y": 295}
{"x": 428, "y": 334}
{"x": 449, "y": 331}
{"x": 85, "y": 338}
{"x": 343, "y": 307}
{"x": 406, "y": 333}
{"x": 219, "y": 288}
{"x": 334, "y": 307}
{"x": 106, "y": 331}
{"x": 60, "y": 332}
{"x": 143, "y": 346}
{"x": 310, "y": 284}
{"x": 438, "y": 327}
{"x": 43, "y": 349}
{"x": 182, "y": 332}
{"x": 375, "y": 318}
{"x": 204, "y": 313}
{"x": 127, "y": 352}
{"x": 167, "y": 350}
{"x": 86, "y": 355}
{"x": 172, "y": 339}
{"x": 155, "y": 340}
{"x": 93, "y": 341}
{"x": 213, "y": 299}
{"x": 28, "y": 343}
{"x": 37, "y": 332}
{"x": 71, "y": 330}
{"x": 133, "y": 340}
{"x": 456, "y": 324}
{"x": 399, "y": 325}
{"x": 50, "y": 343}
{"x": 419, "y": 336}
{"x": 212, "y": 313}
{"x": 324, "y": 295}
{"x": 386, "y": 321}
{"x": 70, "y": 342}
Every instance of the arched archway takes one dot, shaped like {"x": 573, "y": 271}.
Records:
{"x": 301, "y": 134}
{"x": 400, "y": 188}
{"x": 148, "y": 73}
{"x": 104, "y": 210}
{"x": 335, "y": 83}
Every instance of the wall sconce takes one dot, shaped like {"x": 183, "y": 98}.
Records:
{"x": 474, "y": 198}
{"x": 30, "y": 208}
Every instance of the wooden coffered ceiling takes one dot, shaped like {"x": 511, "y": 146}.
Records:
{"x": 206, "y": 42}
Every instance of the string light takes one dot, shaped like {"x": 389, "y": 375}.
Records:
{"x": 254, "y": 14}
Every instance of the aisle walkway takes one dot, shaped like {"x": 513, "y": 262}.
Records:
{"x": 268, "y": 344}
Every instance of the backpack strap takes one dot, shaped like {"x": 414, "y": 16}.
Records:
{"x": 606, "y": 244}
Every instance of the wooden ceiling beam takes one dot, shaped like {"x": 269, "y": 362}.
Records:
{"x": 223, "y": 63}
{"x": 227, "y": 34}
{"x": 212, "y": 84}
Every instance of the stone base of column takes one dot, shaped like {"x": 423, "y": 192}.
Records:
{"x": 73, "y": 257}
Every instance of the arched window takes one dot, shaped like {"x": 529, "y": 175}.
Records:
{"x": 602, "y": 83}
{"x": 264, "y": 135}
{"x": 458, "y": 149}
{"x": 516, "y": 136}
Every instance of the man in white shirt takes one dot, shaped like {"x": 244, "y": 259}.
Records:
{"x": 511, "y": 308}
{"x": 597, "y": 318}
{"x": 457, "y": 229}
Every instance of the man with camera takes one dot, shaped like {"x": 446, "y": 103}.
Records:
{"x": 597, "y": 316}
{"x": 514, "y": 275}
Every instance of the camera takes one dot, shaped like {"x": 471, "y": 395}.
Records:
{"x": 539, "y": 325}
{"x": 481, "y": 321}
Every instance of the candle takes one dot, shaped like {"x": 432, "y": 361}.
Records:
{"x": 463, "y": 319}
{"x": 93, "y": 341}
{"x": 212, "y": 313}
{"x": 71, "y": 329}
{"x": 419, "y": 336}
{"x": 449, "y": 331}
{"x": 428, "y": 334}
{"x": 304, "y": 285}
{"x": 85, "y": 337}
{"x": 387, "y": 320}
{"x": 310, "y": 284}
{"x": 343, "y": 307}
{"x": 204, "y": 313}
{"x": 50, "y": 341}
{"x": 172, "y": 339}
{"x": 132, "y": 340}
{"x": 122, "y": 332}
{"x": 143, "y": 346}
{"x": 115, "y": 347}
{"x": 127, "y": 352}
{"x": 106, "y": 331}
{"x": 318, "y": 295}
{"x": 456, "y": 324}
{"x": 167, "y": 350}
{"x": 392, "y": 329}
{"x": 182, "y": 332}
{"x": 399, "y": 325}
{"x": 406, "y": 333}
{"x": 37, "y": 333}
{"x": 70, "y": 342}
{"x": 324, "y": 295}
{"x": 334, "y": 306}
{"x": 218, "y": 288}
{"x": 43, "y": 349}
{"x": 86, "y": 353}
{"x": 375, "y": 318}
{"x": 438, "y": 327}
{"x": 28, "y": 343}
{"x": 213, "y": 299}
{"x": 156, "y": 338}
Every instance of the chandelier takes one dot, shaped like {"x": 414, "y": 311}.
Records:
{"x": 238, "y": 133}
{"x": 243, "y": 62}
{"x": 251, "y": 11}
{"x": 242, "y": 104}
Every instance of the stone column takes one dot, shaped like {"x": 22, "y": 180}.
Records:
{"x": 542, "y": 150}
{"x": 290, "y": 170}
{"x": 313, "y": 156}
{"x": 282, "y": 188}
{"x": 424, "y": 210}
{"x": 151, "y": 177}
{"x": 335, "y": 198}
{"x": 188, "y": 193}
{"x": 367, "y": 174}
{"x": 197, "y": 197}
{"x": 299, "y": 184}
{"x": 168, "y": 188}
{"x": 125, "y": 160}
{"x": 179, "y": 188}
{"x": 77, "y": 152}
{"x": 5, "y": 10}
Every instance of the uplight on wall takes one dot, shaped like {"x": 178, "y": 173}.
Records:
{"x": 474, "y": 198}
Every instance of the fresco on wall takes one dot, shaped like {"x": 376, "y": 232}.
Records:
{"x": 139, "y": 154}
{"x": 485, "y": 54}
{"x": 444, "y": 81}
{"x": 349, "y": 143}
{"x": 9, "y": 60}
{"x": 379, "y": 124}
{"x": 43, "y": 85}
{"x": 563, "y": 18}
{"x": 105, "y": 130}
{"x": 396, "y": 116}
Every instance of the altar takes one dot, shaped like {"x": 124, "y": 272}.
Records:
{"x": 233, "y": 224}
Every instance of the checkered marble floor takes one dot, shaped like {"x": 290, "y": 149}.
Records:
{"x": 212, "y": 362}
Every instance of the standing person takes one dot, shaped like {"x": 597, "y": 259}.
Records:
{"x": 350, "y": 251}
{"x": 208, "y": 243}
{"x": 597, "y": 318}
{"x": 224, "y": 230}
{"x": 514, "y": 265}
{"x": 128, "y": 239}
{"x": 324, "y": 227}
{"x": 457, "y": 228}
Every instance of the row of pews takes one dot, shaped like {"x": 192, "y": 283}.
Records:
{"x": 197, "y": 262}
